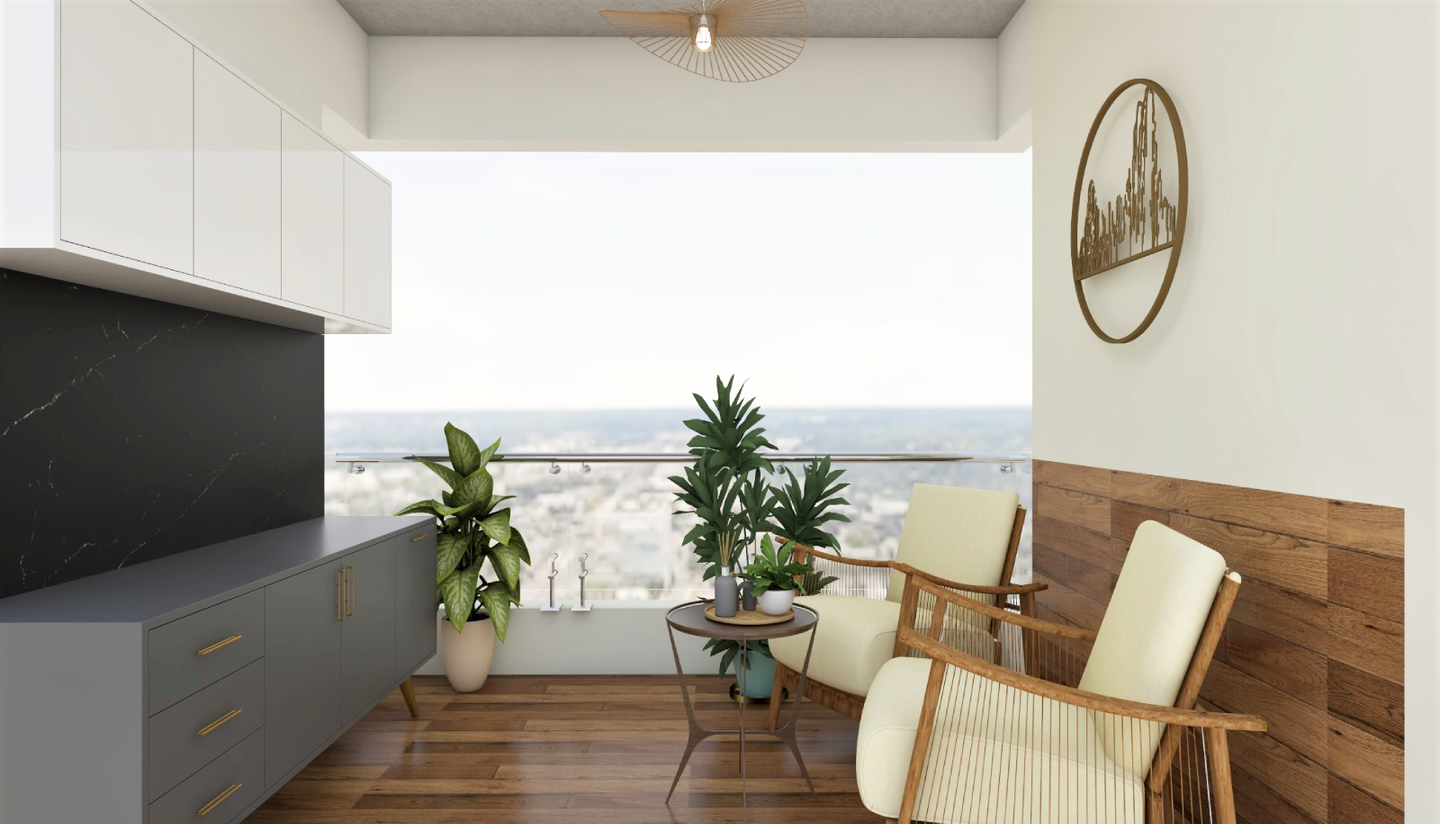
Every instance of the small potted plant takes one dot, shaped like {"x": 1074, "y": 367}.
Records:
{"x": 776, "y": 576}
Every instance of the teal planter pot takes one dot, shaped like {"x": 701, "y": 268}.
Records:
{"x": 756, "y": 679}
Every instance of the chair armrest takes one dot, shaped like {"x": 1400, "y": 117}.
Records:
{"x": 1008, "y": 589}
{"x": 801, "y": 551}
{"x": 1088, "y": 700}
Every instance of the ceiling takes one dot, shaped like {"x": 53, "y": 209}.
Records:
{"x": 581, "y": 18}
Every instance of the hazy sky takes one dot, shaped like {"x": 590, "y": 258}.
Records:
{"x": 586, "y": 281}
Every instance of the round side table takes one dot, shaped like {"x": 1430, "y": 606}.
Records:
{"x": 690, "y": 619}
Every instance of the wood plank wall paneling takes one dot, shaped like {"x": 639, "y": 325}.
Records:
{"x": 1315, "y": 642}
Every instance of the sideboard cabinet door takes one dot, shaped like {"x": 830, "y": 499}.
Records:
{"x": 367, "y": 659}
{"x": 415, "y": 606}
{"x": 302, "y": 666}
{"x": 126, "y": 133}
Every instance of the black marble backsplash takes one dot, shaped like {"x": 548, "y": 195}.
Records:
{"x": 132, "y": 429}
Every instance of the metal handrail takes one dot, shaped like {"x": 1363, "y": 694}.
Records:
{"x": 685, "y": 457}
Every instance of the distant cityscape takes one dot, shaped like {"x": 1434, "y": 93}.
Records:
{"x": 621, "y": 514}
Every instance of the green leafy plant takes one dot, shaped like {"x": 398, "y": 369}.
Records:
{"x": 472, "y": 529}
{"x": 724, "y": 488}
{"x": 776, "y": 568}
{"x": 801, "y": 508}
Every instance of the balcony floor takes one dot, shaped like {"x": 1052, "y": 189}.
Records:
{"x": 542, "y": 749}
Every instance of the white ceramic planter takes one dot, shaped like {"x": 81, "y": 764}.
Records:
{"x": 467, "y": 654}
{"x": 777, "y": 601}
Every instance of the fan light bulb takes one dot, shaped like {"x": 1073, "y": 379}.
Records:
{"x": 703, "y": 39}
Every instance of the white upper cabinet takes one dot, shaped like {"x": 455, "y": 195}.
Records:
{"x": 133, "y": 160}
{"x": 126, "y": 121}
{"x": 237, "y": 181}
{"x": 367, "y": 245}
{"x": 313, "y": 218}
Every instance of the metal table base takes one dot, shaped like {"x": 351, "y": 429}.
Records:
{"x": 785, "y": 732}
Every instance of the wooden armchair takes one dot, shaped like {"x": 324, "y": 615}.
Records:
{"x": 950, "y": 737}
{"x": 964, "y": 540}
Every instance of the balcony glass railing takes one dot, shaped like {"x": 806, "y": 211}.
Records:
{"x": 619, "y": 509}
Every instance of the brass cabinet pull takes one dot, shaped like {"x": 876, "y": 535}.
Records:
{"x": 218, "y": 723}
{"x": 418, "y": 538}
{"x": 218, "y": 644}
{"x": 350, "y": 600}
{"x": 340, "y": 594}
{"x": 216, "y": 801}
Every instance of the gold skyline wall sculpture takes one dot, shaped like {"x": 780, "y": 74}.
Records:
{"x": 744, "y": 41}
{"x": 1141, "y": 220}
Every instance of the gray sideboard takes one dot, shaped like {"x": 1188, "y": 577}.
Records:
{"x": 204, "y": 681}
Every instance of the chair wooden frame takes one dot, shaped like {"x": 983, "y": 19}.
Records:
{"x": 1179, "y": 720}
{"x": 849, "y": 704}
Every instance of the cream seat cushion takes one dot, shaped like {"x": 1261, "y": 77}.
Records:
{"x": 854, "y": 638}
{"x": 997, "y": 754}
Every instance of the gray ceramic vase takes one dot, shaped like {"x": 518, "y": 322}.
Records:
{"x": 727, "y": 595}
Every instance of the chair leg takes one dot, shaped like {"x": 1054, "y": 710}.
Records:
{"x": 1221, "y": 793}
{"x": 407, "y": 689}
{"x": 777, "y": 690}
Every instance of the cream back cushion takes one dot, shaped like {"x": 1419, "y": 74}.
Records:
{"x": 955, "y": 533}
{"x": 1161, "y": 602}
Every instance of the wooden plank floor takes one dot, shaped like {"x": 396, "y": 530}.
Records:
{"x": 552, "y": 749}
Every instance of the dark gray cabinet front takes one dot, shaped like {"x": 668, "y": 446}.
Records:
{"x": 414, "y": 600}
{"x": 303, "y": 616}
{"x": 367, "y": 659}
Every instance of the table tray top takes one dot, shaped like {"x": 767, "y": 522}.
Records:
{"x": 690, "y": 619}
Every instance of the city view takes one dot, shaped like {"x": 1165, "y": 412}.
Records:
{"x": 621, "y": 514}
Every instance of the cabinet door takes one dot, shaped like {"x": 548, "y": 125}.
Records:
{"x": 302, "y": 667}
{"x": 414, "y": 600}
{"x": 313, "y": 219}
{"x": 237, "y": 181}
{"x": 126, "y": 133}
{"x": 367, "y": 245}
{"x": 368, "y": 634}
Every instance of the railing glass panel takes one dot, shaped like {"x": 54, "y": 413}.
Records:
{"x": 619, "y": 510}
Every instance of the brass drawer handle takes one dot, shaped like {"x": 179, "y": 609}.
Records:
{"x": 218, "y": 723}
{"x": 216, "y": 801}
{"x": 218, "y": 644}
{"x": 418, "y": 538}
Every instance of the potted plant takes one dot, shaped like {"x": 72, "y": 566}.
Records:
{"x": 776, "y": 576}
{"x": 472, "y": 529}
{"x": 801, "y": 508}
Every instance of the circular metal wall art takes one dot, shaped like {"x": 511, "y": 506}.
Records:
{"x": 737, "y": 41}
{"x": 1139, "y": 222}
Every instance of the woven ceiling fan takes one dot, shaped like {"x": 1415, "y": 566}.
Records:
{"x": 732, "y": 40}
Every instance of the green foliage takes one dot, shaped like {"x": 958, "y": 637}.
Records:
{"x": 802, "y": 505}
{"x": 727, "y": 650}
{"x": 472, "y": 529}
{"x": 776, "y": 568}
{"x": 725, "y": 487}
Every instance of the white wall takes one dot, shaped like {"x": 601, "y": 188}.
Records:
{"x": 308, "y": 54}
{"x": 613, "y": 638}
{"x": 1297, "y": 351}
{"x": 606, "y": 93}
{"x": 1014, "y": 57}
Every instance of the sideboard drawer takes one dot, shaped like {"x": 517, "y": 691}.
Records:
{"x": 194, "y": 652}
{"x": 221, "y": 790}
{"x": 199, "y": 729}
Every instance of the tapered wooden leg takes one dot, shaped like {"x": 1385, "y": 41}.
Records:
{"x": 1222, "y": 795}
{"x": 777, "y": 692}
{"x": 407, "y": 689}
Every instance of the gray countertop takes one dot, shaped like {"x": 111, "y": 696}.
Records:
{"x": 156, "y": 591}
